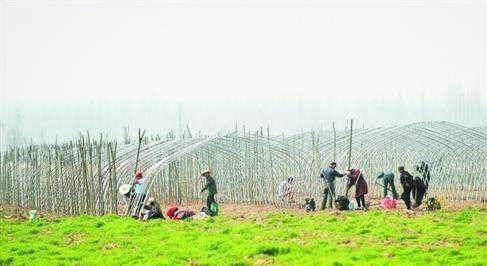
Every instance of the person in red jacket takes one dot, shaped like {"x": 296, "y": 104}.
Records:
{"x": 356, "y": 178}
{"x": 176, "y": 213}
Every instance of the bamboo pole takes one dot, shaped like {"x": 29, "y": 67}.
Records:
{"x": 350, "y": 145}
{"x": 334, "y": 142}
{"x": 141, "y": 136}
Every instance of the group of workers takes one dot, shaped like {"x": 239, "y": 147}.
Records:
{"x": 412, "y": 186}
{"x": 135, "y": 196}
{"x": 355, "y": 178}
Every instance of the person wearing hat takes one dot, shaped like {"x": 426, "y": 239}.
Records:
{"x": 125, "y": 190}
{"x": 138, "y": 195}
{"x": 328, "y": 175}
{"x": 138, "y": 183}
{"x": 407, "y": 185}
{"x": 210, "y": 185}
{"x": 152, "y": 210}
{"x": 388, "y": 183}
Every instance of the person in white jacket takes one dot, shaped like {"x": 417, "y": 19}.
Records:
{"x": 285, "y": 191}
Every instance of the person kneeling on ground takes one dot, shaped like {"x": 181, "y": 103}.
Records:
{"x": 420, "y": 190}
{"x": 309, "y": 204}
{"x": 212, "y": 211}
{"x": 433, "y": 204}
{"x": 176, "y": 213}
{"x": 355, "y": 178}
{"x": 285, "y": 191}
{"x": 342, "y": 203}
{"x": 152, "y": 210}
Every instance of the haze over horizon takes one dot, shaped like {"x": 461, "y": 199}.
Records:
{"x": 75, "y": 67}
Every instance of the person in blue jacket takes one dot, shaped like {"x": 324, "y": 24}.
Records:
{"x": 329, "y": 175}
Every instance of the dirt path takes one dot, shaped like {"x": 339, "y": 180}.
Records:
{"x": 251, "y": 211}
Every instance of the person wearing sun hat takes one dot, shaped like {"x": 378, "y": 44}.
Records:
{"x": 210, "y": 185}
{"x": 152, "y": 210}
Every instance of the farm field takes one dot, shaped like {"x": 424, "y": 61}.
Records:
{"x": 242, "y": 133}
{"x": 447, "y": 237}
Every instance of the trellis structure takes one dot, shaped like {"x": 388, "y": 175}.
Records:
{"x": 82, "y": 176}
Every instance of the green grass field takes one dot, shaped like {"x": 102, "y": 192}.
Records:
{"x": 347, "y": 238}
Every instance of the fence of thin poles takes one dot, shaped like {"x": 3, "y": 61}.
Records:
{"x": 83, "y": 175}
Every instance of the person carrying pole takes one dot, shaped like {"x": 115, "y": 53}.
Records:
{"x": 329, "y": 174}
{"x": 407, "y": 185}
{"x": 211, "y": 187}
{"x": 356, "y": 178}
{"x": 388, "y": 183}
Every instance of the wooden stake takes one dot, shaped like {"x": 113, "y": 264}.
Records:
{"x": 350, "y": 146}
{"x": 141, "y": 136}
{"x": 334, "y": 142}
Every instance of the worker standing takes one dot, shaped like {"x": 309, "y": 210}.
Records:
{"x": 329, "y": 175}
{"x": 138, "y": 195}
{"x": 211, "y": 187}
{"x": 424, "y": 169}
{"x": 356, "y": 178}
{"x": 407, "y": 185}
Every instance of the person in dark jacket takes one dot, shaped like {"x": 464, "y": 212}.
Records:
{"x": 424, "y": 169}
{"x": 356, "y": 178}
{"x": 420, "y": 190}
{"x": 388, "y": 183}
{"x": 328, "y": 175}
{"x": 152, "y": 210}
{"x": 211, "y": 187}
{"x": 309, "y": 204}
{"x": 407, "y": 185}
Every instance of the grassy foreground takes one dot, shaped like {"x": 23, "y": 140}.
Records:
{"x": 347, "y": 238}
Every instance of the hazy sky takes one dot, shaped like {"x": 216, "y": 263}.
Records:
{"x": 243, "y": 54}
